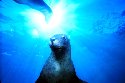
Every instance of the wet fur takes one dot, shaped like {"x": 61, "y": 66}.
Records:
{"x": 59, "y": 70}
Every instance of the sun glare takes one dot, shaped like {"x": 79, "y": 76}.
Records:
{"x": 36, "y": 21}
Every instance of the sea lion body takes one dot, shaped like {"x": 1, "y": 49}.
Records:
{"x": 59, "y": 67}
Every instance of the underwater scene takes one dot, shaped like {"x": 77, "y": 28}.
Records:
{"x": 96, "y": 29}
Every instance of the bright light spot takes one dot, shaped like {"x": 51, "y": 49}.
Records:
{"x": 58, "y": 23}
{"x": 57, "y": 67}
{"x": 35, "y": 33}
{"x": 35, "y": 18}
{"x": 57, "y": 17}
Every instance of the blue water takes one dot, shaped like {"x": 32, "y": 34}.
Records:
{"x": 97, "y": 33}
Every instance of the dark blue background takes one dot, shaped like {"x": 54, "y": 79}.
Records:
{"x": 98, "y": 41}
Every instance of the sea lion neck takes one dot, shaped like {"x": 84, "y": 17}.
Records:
{"x": 62, "y": 55}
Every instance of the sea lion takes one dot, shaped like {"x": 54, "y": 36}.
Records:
{"x": 39, "y": 5}
{"x": 59, "y": 67}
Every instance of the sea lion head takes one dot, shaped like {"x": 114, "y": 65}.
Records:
{"x": 59, "y": 44}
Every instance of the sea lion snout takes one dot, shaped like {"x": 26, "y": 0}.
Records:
{"x": 56, "y": 43}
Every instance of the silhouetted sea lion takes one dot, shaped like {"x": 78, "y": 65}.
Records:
{"x": 59, "y": 67}
{"x": 38, "y": 5}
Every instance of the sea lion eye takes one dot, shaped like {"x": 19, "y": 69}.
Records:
{"x": 63, "y": 37}
{"x": 52, "y": 39}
